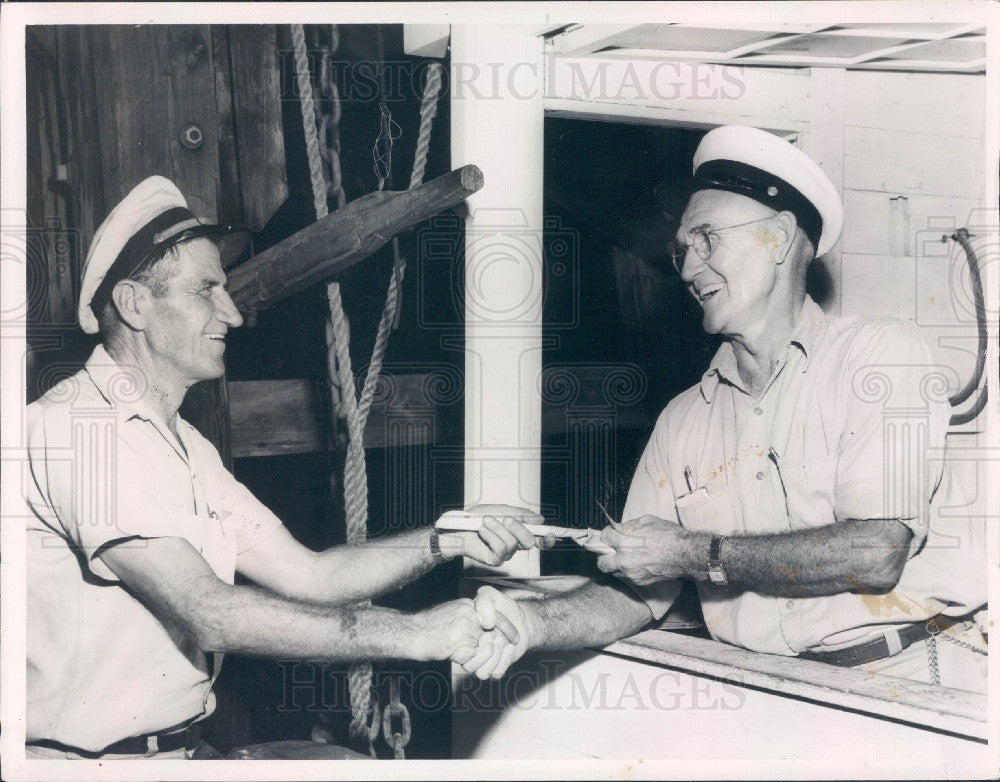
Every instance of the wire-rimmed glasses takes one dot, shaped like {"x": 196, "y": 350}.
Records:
{"x": 702, "y": 241}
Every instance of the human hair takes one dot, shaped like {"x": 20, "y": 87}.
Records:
{"x": 801, "y": 254}
{"x": 155, "y": 275}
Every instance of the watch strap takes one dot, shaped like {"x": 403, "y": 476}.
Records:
{"x": 716, "y": 572}
{"x": 435, "y": 545}
{"x": 715, "y": 552}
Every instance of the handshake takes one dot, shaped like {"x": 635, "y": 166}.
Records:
{"x": 484, "y": 635}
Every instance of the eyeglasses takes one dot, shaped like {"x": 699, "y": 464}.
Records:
{"x": 702, "y": 241}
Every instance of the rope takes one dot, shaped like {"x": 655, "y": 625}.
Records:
{"x": 428, "y": 110}
{"x": 390, "y": 320}
{"x": 338, "y": 343}
{"x": 339, "y": 359}
{"x": 390, "y": 312}
{"x": 389, "y": 130}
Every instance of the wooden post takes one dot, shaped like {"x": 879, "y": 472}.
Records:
{"x": 497, "y": 118}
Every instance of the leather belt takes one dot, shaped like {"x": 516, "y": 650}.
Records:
{"x": 134, "y": 745}
{"x": 878, "y": 649}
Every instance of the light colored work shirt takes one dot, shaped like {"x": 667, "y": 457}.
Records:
{"x": 851, "y": 426}
{"x": 106, "y": 470}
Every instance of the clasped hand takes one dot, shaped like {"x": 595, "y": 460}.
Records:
{"x": 504, "y": 635}
{"x": 484, "y": 635}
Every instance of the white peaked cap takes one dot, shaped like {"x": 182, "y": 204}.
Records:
{"x": 768, "y": 169}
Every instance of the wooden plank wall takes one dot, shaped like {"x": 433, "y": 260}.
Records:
{"x": 131, "y": 92}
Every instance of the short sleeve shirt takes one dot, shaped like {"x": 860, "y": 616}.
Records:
{"x": 851, "y": 426}
{"x": 105, "y": 470}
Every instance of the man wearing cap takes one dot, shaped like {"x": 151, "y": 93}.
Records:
{"x": 801, "y": 483}
{"x": 137, "y": 530}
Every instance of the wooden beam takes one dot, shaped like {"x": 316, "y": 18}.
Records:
{"x": 279, "y": 417}
{"x": 341, "y": 239}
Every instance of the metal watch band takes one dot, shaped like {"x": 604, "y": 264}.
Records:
{"x": 716, "y": 572}
{"x": 436, "y": 547}
{"x": 715, "y": 552}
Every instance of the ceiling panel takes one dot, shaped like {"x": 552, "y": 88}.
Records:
{"x": 950, "y": 50}
{"x": 675, "y": 37}
{"x": 839, "y": 46}
{"x": 928, "y": 30}
{"x": 944, "y": 46}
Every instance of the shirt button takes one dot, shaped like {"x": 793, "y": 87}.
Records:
{"x": 758, "y": 411}
{"x": 789, "y": 604}
{"x": 760, "y": 476}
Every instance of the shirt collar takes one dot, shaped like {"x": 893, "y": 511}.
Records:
{"x": 124, "y": 387}
{"x": 810, "y": 323}
{"x": 812, "y": 319}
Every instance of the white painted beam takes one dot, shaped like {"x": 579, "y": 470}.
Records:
{"x": 585, "y": 39}
{"x": 497, "y": 116}
{"x": 689, "y": 93}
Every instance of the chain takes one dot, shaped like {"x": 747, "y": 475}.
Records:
{"x": 983, "y": 650}
{"x": 395, "y": 707}
{"x": 932, "y": 661}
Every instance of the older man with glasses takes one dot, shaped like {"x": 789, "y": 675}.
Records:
{"x": 800, "y": 482}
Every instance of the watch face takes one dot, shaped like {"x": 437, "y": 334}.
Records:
{"x": 717, "y": 575}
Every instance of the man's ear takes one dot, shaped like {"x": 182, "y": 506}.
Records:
{"x": 786, "y": 225}
{"x": 131, "y": 299}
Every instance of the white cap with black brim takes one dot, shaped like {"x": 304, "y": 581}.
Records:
{"x": 762, "y": 166}
{"x": 152, "y": 218}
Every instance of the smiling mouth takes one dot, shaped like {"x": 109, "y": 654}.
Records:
{"x": 707, "y": 293}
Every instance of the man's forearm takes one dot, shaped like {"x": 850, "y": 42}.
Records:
{"x": 853, "y": 555}
{"x": 348, "y": 573}
{"x": 248, "y": 620}
{"x": 594, "y": 615}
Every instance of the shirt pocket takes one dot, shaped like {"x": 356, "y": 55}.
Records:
{"x": 810, "y": 489}
{"x": 718, "y": 512}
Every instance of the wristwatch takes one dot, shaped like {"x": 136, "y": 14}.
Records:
{"x": 716, "y": 573}
{"x": 435, "y": 544}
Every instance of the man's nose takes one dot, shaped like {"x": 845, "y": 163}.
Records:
{"x": 226, "y": 310}
{"x": 691, "y": 264}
